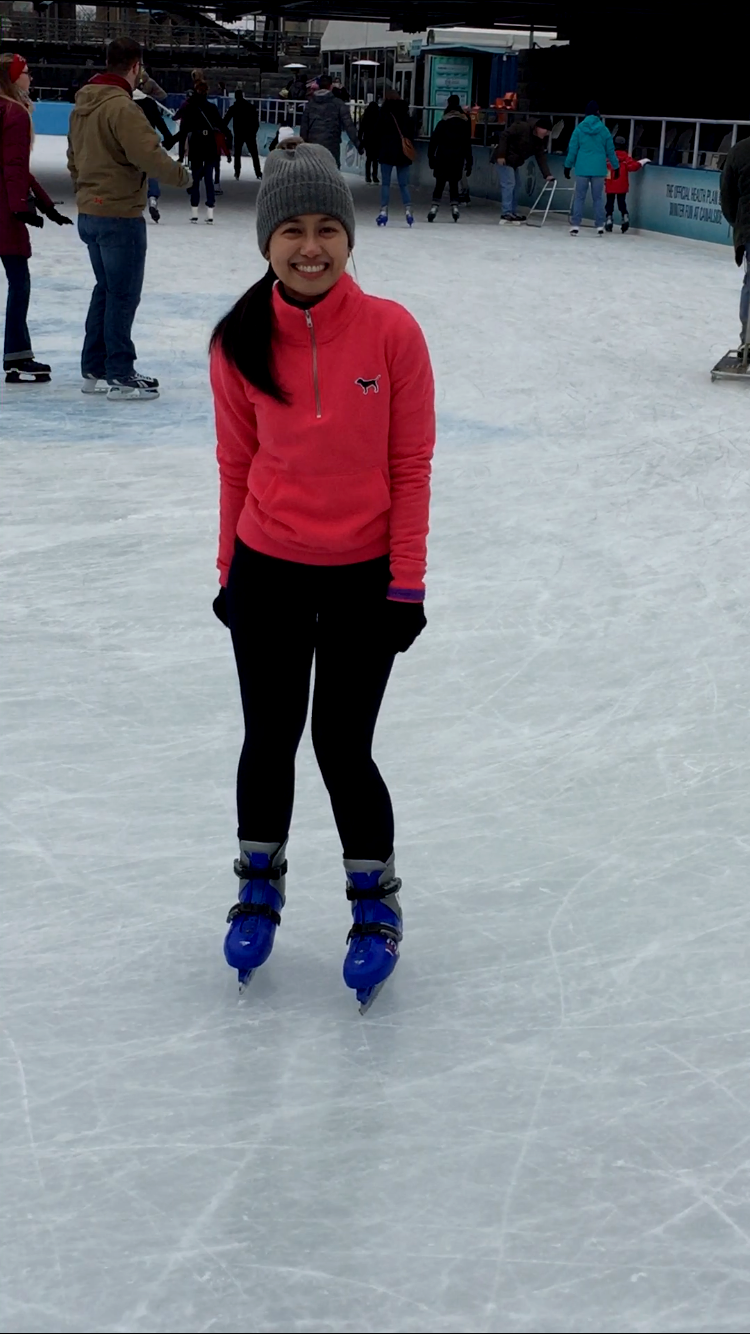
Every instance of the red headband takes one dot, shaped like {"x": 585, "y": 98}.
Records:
{"x": 16, "y": 68}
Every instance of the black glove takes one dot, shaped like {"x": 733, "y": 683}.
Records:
{"x": 31, "y": 219}
{"x": 566, "y": 173}
{"x": 403, "y": 622}
{"x": 220, "y": 607}
{"x": 468, "y": 172}
{"x": 59, "y": 218}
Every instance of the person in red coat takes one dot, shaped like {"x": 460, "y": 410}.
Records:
{"x": 21, "y": 199}
{"x": 616, "y": 185}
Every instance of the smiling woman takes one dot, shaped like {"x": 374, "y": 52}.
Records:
{"x": 326, "y": 426}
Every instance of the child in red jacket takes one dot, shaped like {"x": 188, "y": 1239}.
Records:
{"x": 616, "y": 184}
{"x": 325, "y": 425}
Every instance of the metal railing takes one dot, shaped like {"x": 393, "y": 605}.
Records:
{"x": 670, "y": 140}
{"x": 160, "y": 38}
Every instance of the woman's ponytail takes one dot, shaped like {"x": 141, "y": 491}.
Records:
{"x": 244, "y": 336}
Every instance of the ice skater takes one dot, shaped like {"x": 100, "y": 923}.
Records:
{"x": 22, "y": 199}
{"x": 369, "y": 141}
{"x": 201, "y": 121}
{"x": 394, "y": 145}
{"x": 246, "y": 126}
{"x": 590, "y": 152}
{"x": 518, "y": 143}
{"x": 449, "y": 156}
{"x": 735, "y": 205}
{"x": 325, "y": 424}
{"x": 616, "y": 185}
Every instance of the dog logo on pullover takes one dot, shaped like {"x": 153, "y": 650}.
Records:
{"x": 367, "y": 385}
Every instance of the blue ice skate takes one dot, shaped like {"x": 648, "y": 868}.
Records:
{"x": 253, "y": 920}
{"x": 372, "y": 889}
{"x": 382, "y": 218}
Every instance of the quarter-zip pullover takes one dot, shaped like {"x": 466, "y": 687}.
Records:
{"x": 341, "y": 472}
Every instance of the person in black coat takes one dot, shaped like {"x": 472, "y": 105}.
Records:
{"x": 153, "y": 113}
{"x": 735, "y": 205}
{"x": 394, "y": 126}
{"x": 369, "y": 140}
{"x": 246, "y": 126}
{"x": 449, "y": 155}
{"x": 201, "y": 121}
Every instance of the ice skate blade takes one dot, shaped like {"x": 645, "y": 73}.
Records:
{"x": 24, "y": 377}
{"x": 244, "y": 980}
{"x": 368, "y": 995}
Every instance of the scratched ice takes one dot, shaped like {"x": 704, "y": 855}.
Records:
{"x": 544, "y": 1124}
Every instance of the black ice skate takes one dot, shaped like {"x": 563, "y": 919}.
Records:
{"x": 27, "y": 371}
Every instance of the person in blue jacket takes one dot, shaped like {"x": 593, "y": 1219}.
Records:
{"x": 590, "y": 152}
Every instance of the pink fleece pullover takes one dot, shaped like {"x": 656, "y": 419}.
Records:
{"x": 341, "y": 473}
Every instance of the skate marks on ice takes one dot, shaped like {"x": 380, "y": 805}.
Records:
{"x": 545, "y": 1114}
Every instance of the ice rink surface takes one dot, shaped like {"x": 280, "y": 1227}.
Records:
{"x": 543, "y": 1124}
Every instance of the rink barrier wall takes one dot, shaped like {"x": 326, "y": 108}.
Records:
{"x": 678, "y": 201}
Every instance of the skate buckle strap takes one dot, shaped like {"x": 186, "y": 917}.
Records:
{"x": 254, "y": 910}
{"x": 246, "y": 872}
{"x": 374, "y": 929}
{"x": 377, "y": 893}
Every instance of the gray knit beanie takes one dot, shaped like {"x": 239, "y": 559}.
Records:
{"x": 297, "y": 180}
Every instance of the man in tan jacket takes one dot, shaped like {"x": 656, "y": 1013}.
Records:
{"x": 112, "y": 151}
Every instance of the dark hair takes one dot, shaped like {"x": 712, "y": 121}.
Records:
{"x": 244, "y": 336}
{"x": 325, "y": 81}
{"x": 453, "y": 103}
{"x": 200, "y": 86}
{"x": 122, "y": 54}
{"x": 390, "y": 95}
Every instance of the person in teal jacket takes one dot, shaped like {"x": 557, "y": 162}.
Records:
{"x": 590, "y": 152}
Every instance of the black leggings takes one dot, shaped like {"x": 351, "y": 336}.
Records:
{"x": 281, "y": 614}
{"x": 622, "y": 201}
{"x": 453, "y": 187}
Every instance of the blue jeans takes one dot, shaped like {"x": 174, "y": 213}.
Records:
{"x": 17, "y": 345}
{"x": 745, "y": 299}
{"x": 117, "y": 250}
{"x": 579, "y": 199}
{"x": 203, "y": 172}
{"x": 402, "y": 176}
{"x": 510, "y": 184}
{"x": 154, "y": 189}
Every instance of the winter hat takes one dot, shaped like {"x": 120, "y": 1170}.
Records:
{"x": 592, "y": 107}
{"x": 621, "y": 141}
{"x": 16, "y": 68}
{"x": 543, "y": 123}
{"x": 453, "y": 103}
{"x": 302, "y": 178}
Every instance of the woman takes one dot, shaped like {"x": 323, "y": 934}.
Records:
{"x": 590, "y": 152}
{"x": 394, "y": 126}
{"x": 325, "y": 425}
{"x": 20, "y": 197}
{"x": 449, "y": 155}
{"x": 201, "y": 120}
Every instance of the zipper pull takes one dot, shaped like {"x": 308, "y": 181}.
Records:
{"x": 308, "y": 319}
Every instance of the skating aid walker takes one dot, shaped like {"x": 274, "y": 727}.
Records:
{"x": 734, "y": 365}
